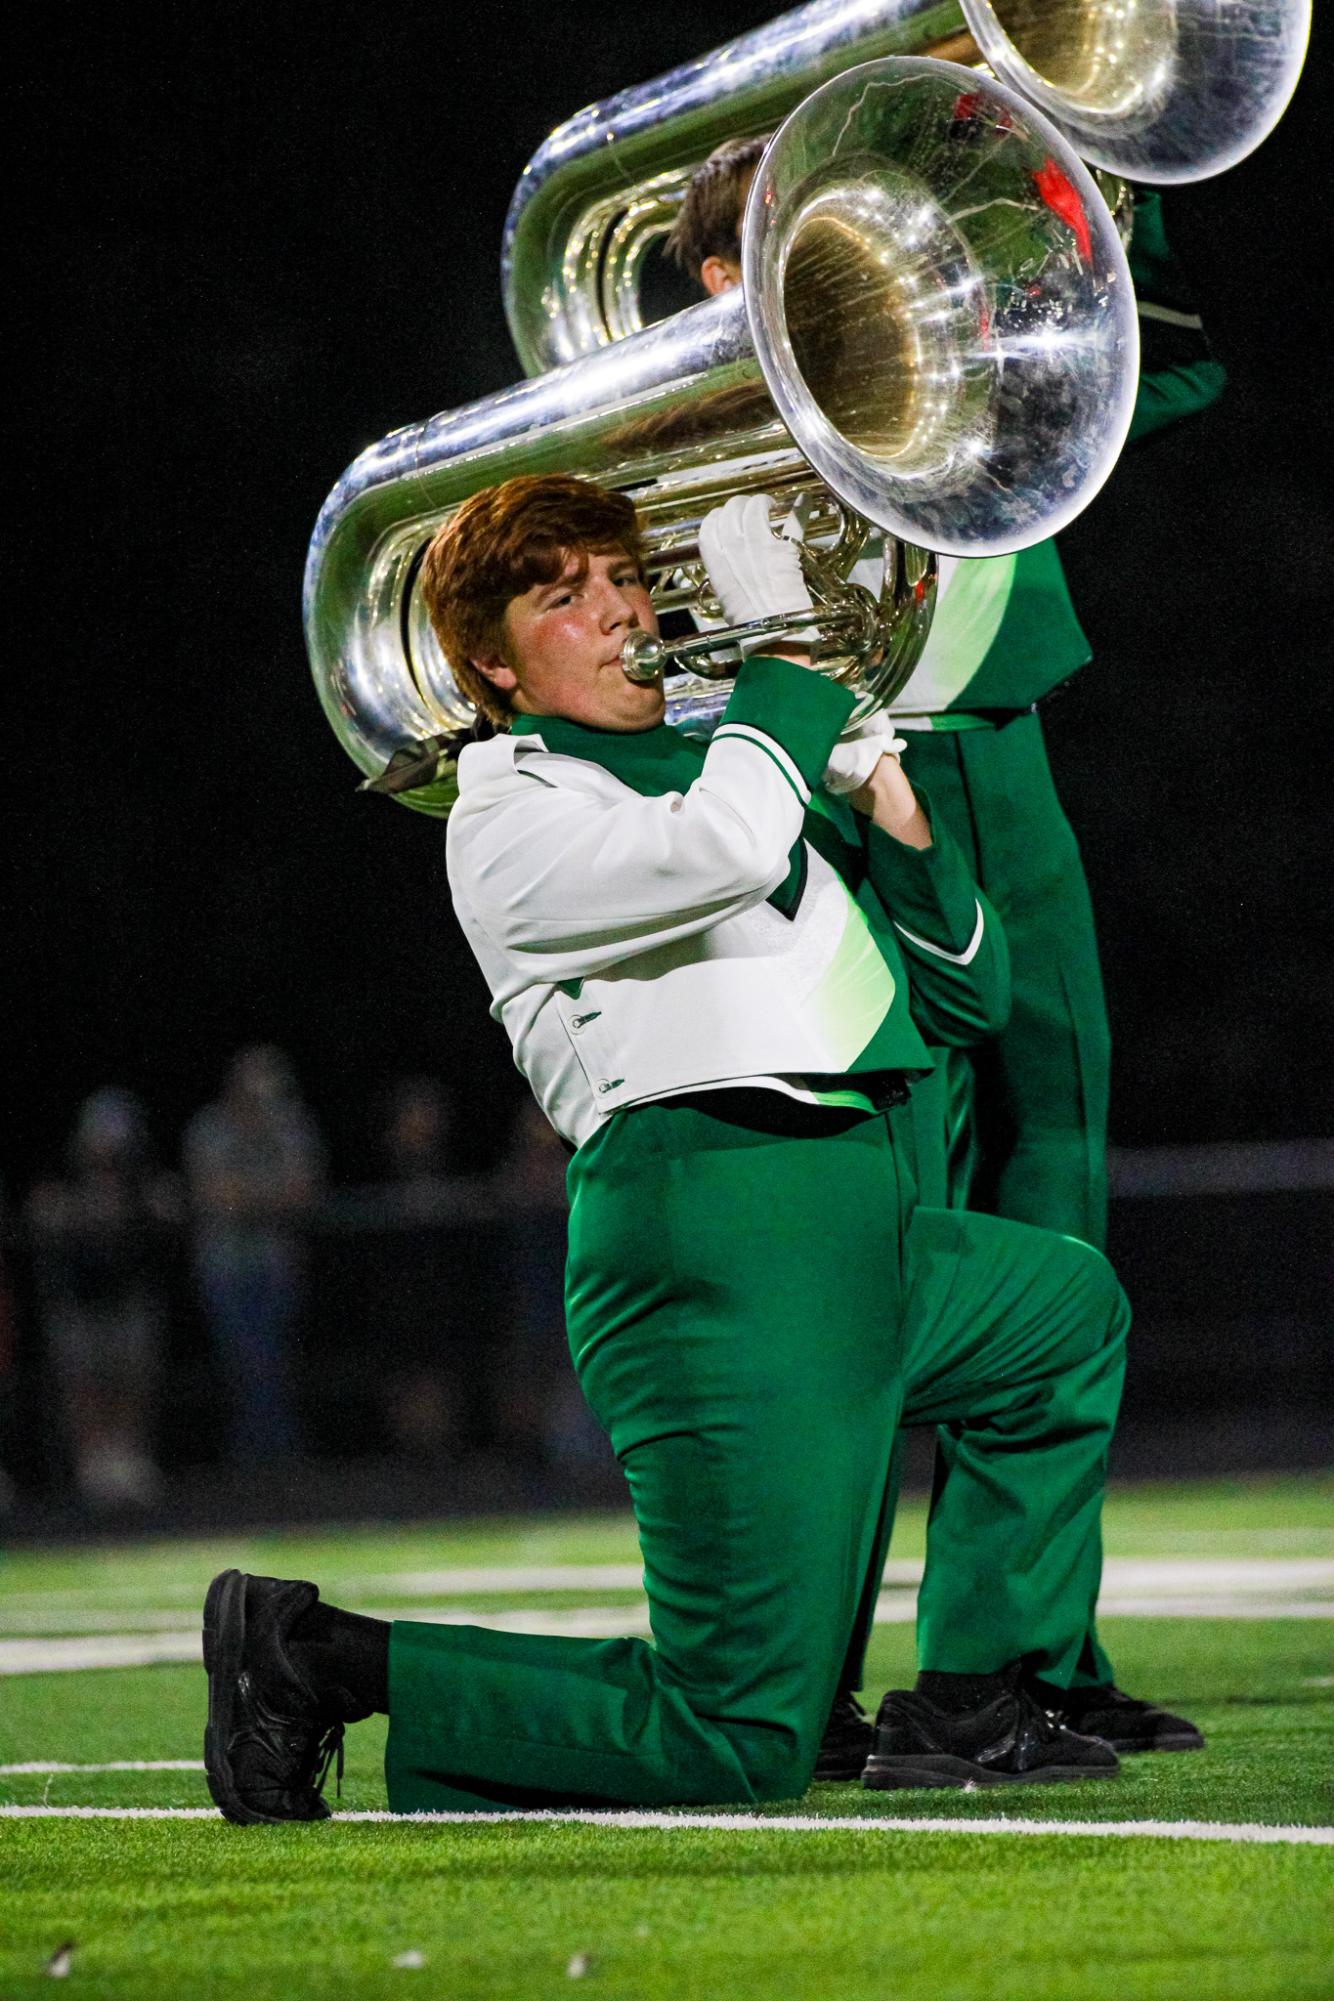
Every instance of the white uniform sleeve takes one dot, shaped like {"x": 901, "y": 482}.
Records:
{"x": 573, "y": 883}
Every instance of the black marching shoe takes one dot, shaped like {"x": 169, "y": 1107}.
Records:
{"x": 1008, "y": 1741}
{"x": 1122, "y": 1721}
{"x": 270, "y": 1738}
{"x": 846, "y": 1744}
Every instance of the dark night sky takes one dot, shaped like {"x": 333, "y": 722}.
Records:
{"x": 258, "y": 241}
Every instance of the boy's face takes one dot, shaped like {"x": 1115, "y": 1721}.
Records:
{"x": 563, "y": 640}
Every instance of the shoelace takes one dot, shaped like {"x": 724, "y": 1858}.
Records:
{"x": 1070, "y": 1715}
{"x": 329, "y": 1751}
{"x": 1047, "y": 1721}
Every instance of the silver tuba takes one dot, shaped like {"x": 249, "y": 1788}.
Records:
{"x": 1153, "y": 90}
{"x": 936, "y": 339}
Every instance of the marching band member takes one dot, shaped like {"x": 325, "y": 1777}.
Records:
{"x": 720, "y": 970}
{"x": 1016, "y": 1124}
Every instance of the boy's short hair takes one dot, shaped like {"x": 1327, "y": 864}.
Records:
{"x": 708, "y": 223}
{"x": 502, "y": 541}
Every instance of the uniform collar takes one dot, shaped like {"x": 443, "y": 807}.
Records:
{"x": 648, "y": 761}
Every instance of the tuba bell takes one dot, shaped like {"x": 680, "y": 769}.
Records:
{"x": 936, "y": 340}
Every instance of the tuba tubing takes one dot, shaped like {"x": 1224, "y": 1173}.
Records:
{"x": 588, "y": 173}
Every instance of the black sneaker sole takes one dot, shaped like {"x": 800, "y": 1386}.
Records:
{"x": 937, "y": 1768}
{"x": 224, "y": 1643}
{"x": 1168, "y": 1742}
{"x": 224, "y": 1646}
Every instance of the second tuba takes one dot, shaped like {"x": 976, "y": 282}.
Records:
{"x": 1152, "y": 90}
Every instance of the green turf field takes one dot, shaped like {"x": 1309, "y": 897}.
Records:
{"x": 1217, "y": 1600}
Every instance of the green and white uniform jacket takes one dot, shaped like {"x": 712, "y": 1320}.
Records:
{"x": 652, "y": 917}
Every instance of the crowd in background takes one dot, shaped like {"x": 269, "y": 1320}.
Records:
{"x": 281, "y": 1317}
{"x": 414, "y": 1311}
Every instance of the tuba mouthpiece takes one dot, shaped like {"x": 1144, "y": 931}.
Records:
{"x": 641, "y": 656}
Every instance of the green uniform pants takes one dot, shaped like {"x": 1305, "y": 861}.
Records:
{"x": 1017, "y": 1126}
{"x": 751, "y": 1317}
{"x": 1027, "y": 1111}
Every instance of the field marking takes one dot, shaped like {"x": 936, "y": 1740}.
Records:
{"x": 736, "y": 1823}
{"x": 1184, "y": 1586}
{"x": 159, "y": 1636}
{"x": 1133, "y": 1574}
{"x": 185, "y": 1647}
{"x": 73, "y": 1653}
{"x": 116, "y": 1765}
{"x": 1218, "y": 1573}
{"x": 597, "y": 1621}
{"x": 1119, "y": 1605}
{"x": 127, "y": 1601}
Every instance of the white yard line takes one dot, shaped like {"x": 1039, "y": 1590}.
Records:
{"x": 1131, "y": 1574}
{"x": 738, "y": 1823}
{"x": 896, "y": 1608}
{"x": 128, "y": 1649}
{"x": 117, "y": 1765}
{"x": 69, "y": 1620}
{"x": 69, "y": 1624}
{"x": 1120, "y": 1605}
{"x": 1137, "y": 1576}
{"x": 110, "y": 1607}
{"x": 1216, "y": 1596}
{"x": 106, "y": 1650}
{"x": 1217, "y": 1573}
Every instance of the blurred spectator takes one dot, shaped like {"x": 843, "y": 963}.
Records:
{"x": 100, "y": 1239}
{"x": 255, "y": 1166}
{"x": 413, "y": 1141}
{"x": 431, "y": 1293}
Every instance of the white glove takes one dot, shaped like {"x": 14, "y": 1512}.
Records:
{"x": 754, "y": 573}
{"x": 855, "y": 757}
